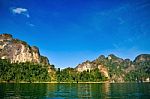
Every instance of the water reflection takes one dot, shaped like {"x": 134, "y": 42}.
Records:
{"x": 95, "y": 91}
{"x": 130, "y": 90}
{"x": 19, "y": 91}
{"x": 84, "y": 91}
{"x": 61, "y": 90}
{"x": 75, "y": 91}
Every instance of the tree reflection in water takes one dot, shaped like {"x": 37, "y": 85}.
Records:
{"x": 84, "y": 90}
{"x": 93, "y": 90}
{"x": 74, "y": 91}
{"x": 22, "y": 90}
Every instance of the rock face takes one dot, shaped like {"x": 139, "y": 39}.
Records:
{"x": 16, "y": 50}
{"x": 142, "y": 58}
{"x": 104, "y": 71}
{"x": 115, "y": 68}
{"x": 86, "y": 66}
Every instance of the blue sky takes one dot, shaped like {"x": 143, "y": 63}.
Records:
{"x": 69, "y": 32}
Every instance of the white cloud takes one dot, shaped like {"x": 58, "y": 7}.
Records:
{"x": 19, "y": 10}
{"x": 22, "y": 11}
{"x": 30, "y": 24}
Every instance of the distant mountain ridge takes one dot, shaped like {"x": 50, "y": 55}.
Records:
{"x": 17, "y": 50}
{"x": 117, "y": 69}
{"x": 142, "y": 58}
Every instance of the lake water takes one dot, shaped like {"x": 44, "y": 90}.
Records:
{"x": 75, "y": 91}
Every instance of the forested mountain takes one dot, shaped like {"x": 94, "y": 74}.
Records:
{"x": 17, "y": 50}
{"x": 22, "y": 62}
{"x": 19, "y": 62}
{"x": 116, "y": 69}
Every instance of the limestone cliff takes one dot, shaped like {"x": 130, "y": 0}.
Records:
{"x": 117, "y": 69}
{"x": 142, "y": 58}
{"x": 16, "y": 50}
{"x": 93, "y": 65}
{"x": 86, "y": 66}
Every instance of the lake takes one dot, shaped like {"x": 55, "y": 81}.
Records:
{"x": 75, "y": 91}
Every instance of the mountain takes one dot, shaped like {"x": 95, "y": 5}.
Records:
{"x": 116, "y": 69}
{"x": 142, "y": 58}
{"x": 17, "y": 50}
{"x": 20, "y": 62}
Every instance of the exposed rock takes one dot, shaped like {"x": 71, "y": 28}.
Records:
{"x": 92, "y": 65}
{"x": 101, "y": 57}
{"x": 104, "y": 71}
{"x": 142, "y": 58}
{"x": 16, "y": 50}
{"x": 115, "y": 68}
{"x": 130, "y": 68}
{"x": 85, "y": 66}
{"x": 44, "y": 60}
{"x": 115, "y": 58}
{"x": 117, "y": 78}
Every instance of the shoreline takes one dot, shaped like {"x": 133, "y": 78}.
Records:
{"x": 73, "y": 82}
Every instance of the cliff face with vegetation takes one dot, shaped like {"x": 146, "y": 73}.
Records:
{"x": 116, "y": 69}
{"x": 142, "y": 58}
{"x": 22, "y": 62}
{"x": 110, "y": 69}
{"x": 16, "y": 50}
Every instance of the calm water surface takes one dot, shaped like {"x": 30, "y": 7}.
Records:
{"x": 75, "y": 91}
